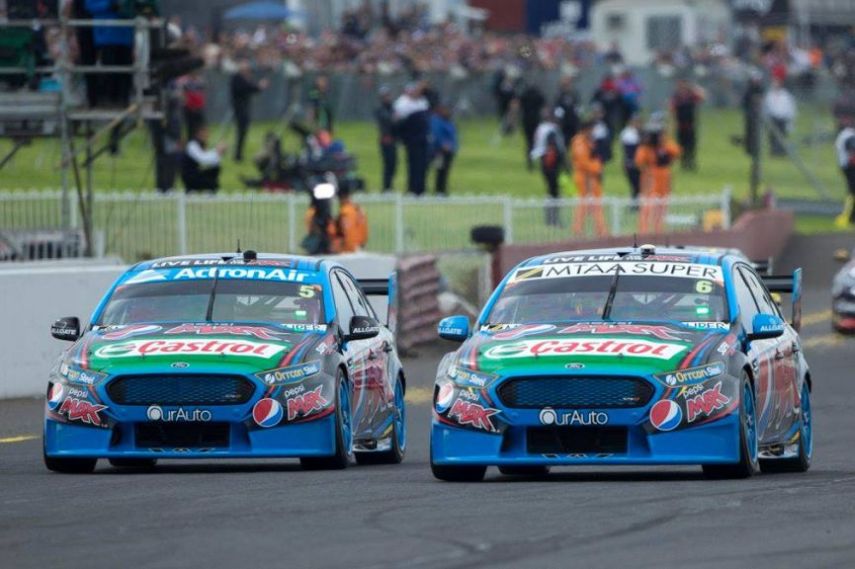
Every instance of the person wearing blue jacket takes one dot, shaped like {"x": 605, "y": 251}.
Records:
{"x": 114, "y": 46}
{"x": 444, "y": 145}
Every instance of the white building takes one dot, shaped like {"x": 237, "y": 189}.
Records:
{"x": 641, "y": 28}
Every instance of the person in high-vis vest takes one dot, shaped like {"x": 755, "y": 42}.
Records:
{"x": 588, "y": 177}
{"x": 654, "y": 158}
{"x": 351, "y": 225}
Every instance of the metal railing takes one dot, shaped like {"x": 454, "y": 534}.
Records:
{"x": 135, "y": 225}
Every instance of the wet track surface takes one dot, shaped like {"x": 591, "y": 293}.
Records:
{"x": 270, "y": 513}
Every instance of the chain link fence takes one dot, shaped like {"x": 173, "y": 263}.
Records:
{"x": 149, "y": 224}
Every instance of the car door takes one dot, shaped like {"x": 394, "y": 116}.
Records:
{"x": 364, "y": 365}
{"x": 760, "y": 355}
{"x": 784, "y": 363}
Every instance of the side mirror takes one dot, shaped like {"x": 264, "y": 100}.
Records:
{"x": 362, "y": 328}
{"x": 454, "y": 328}
{"x": 766, "y": 326}
{"x": 67, "y": 329}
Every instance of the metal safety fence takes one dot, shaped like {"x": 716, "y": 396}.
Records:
{"x": 138, "y": 225}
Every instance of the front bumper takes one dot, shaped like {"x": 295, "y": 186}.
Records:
{"x": 295, "y": 419}
{"x": 705, "y": 444}
{"x": 313, "y": 438}
{"x": 696, "y": 422}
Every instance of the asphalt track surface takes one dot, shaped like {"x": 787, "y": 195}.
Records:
{"x": 272, "y": 514}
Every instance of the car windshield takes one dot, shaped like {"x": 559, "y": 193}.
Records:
{"x": 232, "y": 301}
{"x": 588, "y": 299}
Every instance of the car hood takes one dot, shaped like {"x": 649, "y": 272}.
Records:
{"x": 142, "y": 348}
{"x": 635, "y": 348}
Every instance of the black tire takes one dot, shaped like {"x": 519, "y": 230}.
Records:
{"x": 458, "y": 473}
{"x": 747, "y": 466}
{"x": 800, "y": 462}
{"x": 396, "y": 451}
{"x": 70, "y": 465}
{"x": 136, "y": 463}
{"x": 526, "y": 471}
{"x": 341, "y": 458}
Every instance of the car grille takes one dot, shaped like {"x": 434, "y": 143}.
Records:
{"x": 182, "y": 435}
{"x": 576, "y": 440}
{"x": 575, "y": 392}
{"x": 180, "y": 390}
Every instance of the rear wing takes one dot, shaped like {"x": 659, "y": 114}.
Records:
{"x": 763, "y": 266}
{"x": 382, "y": 294}
{"x": 377, "y": 276}
{"x": 788, "y": 284}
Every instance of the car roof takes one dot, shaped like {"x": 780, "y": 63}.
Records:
{"x": 297, "y": 262}
{"x": 700, "y": 255}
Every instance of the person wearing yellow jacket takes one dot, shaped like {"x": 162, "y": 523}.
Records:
{"x": 588, "y": 177}
{"x": 654, "y": 158}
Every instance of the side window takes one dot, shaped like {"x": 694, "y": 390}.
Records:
{"x": 360, "y": 303}
{"x": 343, "y": 308}
{"x": 747, "y": 305}
{"x": 761, "y": 295}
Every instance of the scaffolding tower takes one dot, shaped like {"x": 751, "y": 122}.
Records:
{"x": 27, "y": 114}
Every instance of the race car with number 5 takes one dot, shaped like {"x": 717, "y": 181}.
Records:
{"x": 633, "y": 356}
{"x": 228, "y": 356}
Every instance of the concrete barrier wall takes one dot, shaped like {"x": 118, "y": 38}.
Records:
{"x": 759, "y": 234}
{"x": 32, "y": 296}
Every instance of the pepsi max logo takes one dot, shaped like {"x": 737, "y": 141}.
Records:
{"x": 666, "y": 415}
{"x": 445, "y": 397}
{"x": 267, "y": 413}
{"x": 55, "y": 396}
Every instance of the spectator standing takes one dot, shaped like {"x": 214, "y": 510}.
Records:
{"x": 385, "y": 117}
{"x": 566, "y": 107}
{"x": 320, "y": 106}
{"x": 752, "y": 105}
{"x": 603, "y": 135}
{"x": 412, "y": 116}
{"x": 779, "y": 106}
{"x": 845, "y": 147}
{"x": 504, "y": 90}
{"x": 166, "y": 136}
{"x": 630, "y": 97}
{"x": 609, "y": 99}
{"x": 588, "y": 177}
{"x": 550, "y": 150}
{"x": 444, "y": 145}
{"x": 243, "y": 87}
{"x": 630, "y": 139}
{"x": 531, "y": 101}
{"x": 654, "y": 158}
{"x": 194, "y": 103}
{"x": 200, "y": 165}
{"x": 684, "y": 107}
{"x": 114, "y": 45}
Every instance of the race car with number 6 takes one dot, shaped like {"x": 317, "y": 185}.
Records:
{"x": 633, "y": 356}
{"x": 228, "y": 356}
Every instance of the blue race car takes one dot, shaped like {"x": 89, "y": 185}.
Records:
{"x": 228, "y": 356}
{"x": 632, "y": 356}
